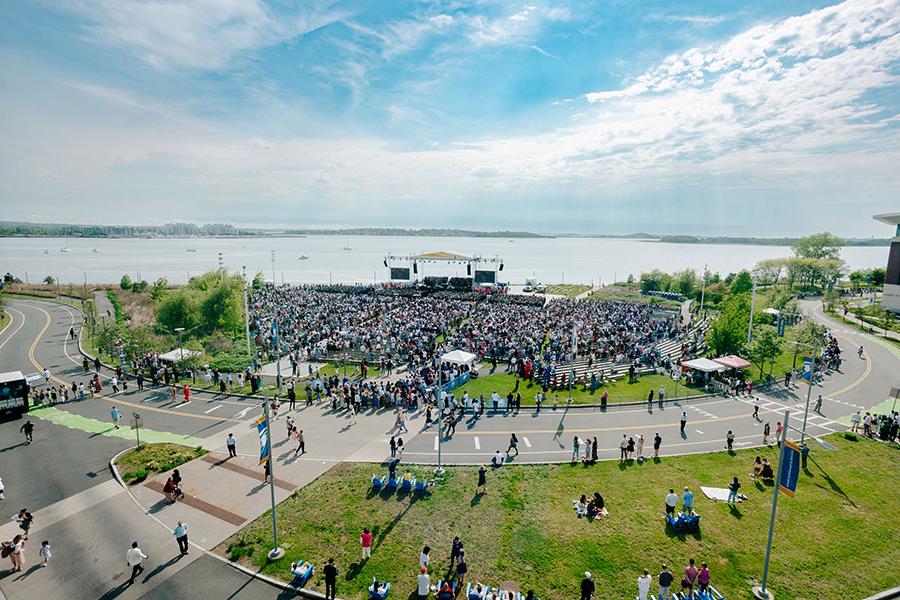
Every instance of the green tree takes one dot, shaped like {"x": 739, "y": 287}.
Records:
{"x": 258, "y": 281}
{"x": 222, "y": 309}
{"x": 877, "y": 277}
{"x": 728, "y": 332}
{"x": 818, "y": 245}
{"x": 125, "y": 283}
{"x": 49, "y": 280}
{"x": 685, "y": 283}
{"x": 808, "y": 336}
{"x": 140, "y": 287}
{"x": 769, "y": 271}
{"x": 160, "y": 286}
{"x": 885, "y": 319}
{"x": 655, "y": 280}
{"x": 179, "y": 309}
{"x": 766, "y": 347}
{"x": 743, "y": 282}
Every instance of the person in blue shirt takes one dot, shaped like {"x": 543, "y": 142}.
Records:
{"x": 114, "y": 413}
{"x": 181, "y": 537}
{"x": 687, "y": 500}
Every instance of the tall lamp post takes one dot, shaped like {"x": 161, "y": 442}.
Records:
{"x": 275, "y": 553}
{"x": 179, "y": 331}
{"x": 752, "y": 302}
{"x": 274, "y": 283}
{"x": 246, "y": 311}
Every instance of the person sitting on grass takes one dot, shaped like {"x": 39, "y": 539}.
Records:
{"x": 446, "y": 592}
{"x": 766, "y": 472}
{"x": 476, "y": 592}
{"x": 407, "y": 476}
{"x": 300, "y": 570}
{"x": 757, "y": 468}
{"x": 581, "y": 506}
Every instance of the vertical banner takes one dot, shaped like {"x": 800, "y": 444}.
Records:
{"x": 262, "y": 429}
{"x": 807, "y": 369}
{"x": 790, "y": 468}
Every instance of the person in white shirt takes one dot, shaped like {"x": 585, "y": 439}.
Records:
{"x": 424, "y": 584}
{"x": 497, "y": 461}
{"x": 643, "y": 584}
{"x": 671, "y": 502}
{"x": 424, "y": 559}
{"x": 135, "y": 558}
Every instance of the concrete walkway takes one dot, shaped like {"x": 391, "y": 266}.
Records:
{"x": 105, "y": 308}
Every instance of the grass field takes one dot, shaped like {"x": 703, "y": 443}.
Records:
{"x": 569, "y": 290}
{"x": 4, "y": 320}
{"x": 135, "y": 466}
{"x": 619, "y": 390}
{"x": 832, "y": 540}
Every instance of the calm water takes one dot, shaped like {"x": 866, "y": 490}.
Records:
{"x": 569, "y": 260}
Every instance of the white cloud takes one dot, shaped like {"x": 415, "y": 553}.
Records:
{"x": 204, "y": 34}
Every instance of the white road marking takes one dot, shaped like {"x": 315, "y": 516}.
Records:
{"x": 212, "y": 409}
{"x": 527, "y": 443}
{"x": 698, "y": 431}
{"x": 436, "y": 442}
{"x": 243, "y": 413}
{"x": 477, "y": 443}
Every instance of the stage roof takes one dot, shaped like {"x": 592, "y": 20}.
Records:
{"x": 889, "y": 218}
{"x": 442, "y": 256}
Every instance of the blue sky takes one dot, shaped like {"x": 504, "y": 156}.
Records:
{"x": 755, "y": 118}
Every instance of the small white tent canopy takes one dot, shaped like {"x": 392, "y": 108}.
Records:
{"x": 704, "y": 365}
{"x": 178, "y": 354}
{"x": 459, "y": 357}
{"x": 772, "y": 311}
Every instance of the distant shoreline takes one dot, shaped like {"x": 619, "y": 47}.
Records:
{"x": 218, "y": 231}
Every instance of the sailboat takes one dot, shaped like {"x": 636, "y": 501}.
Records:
{"x": 347, "y": 248}
{"x": 66, "y": 248}
{"x": 303, "y": 257}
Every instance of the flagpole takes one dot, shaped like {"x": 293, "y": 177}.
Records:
{"x": 275, "y": 553}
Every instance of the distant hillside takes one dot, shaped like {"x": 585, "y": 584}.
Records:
{"x": 400, "y": 232}
{"x": 754, "y": 241}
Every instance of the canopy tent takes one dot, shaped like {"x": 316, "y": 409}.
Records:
{"x": 772, "y": 311}
{"x": 704, "y": 365}
{"x": 733, "y": 362}
{"x": 459, "y": 357}
{"x": 178, "y": 354}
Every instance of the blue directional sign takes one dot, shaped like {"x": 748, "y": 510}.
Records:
{"x": 789, "y": 470}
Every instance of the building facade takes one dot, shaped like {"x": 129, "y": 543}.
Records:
{"x": 891, "y": 298}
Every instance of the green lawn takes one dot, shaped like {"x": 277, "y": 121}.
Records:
{"x": 619, "y": 390}
{"x": 4, "y": 320}
{"x": 524, "y": 529}
{"x": 138, "y": 464}
{"x": 569, "y": 290}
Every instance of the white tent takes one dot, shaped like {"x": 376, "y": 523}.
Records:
{"x": 704, "y": 365}
{"x": 459, "y": 357}
{"x": 772, "y": 311}
{"x": 178, "y": 354}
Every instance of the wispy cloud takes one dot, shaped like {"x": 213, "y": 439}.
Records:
{"x": 698, "y": 20}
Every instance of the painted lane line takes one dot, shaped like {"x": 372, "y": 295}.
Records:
{"x": 477, "y": 443}
{"x": 243, "y": 413}
{"x": 527, "y": 443}
{"x": 698, "y": 431}
{"x": 435, "y": 443}
{"x": 212, "y": 409}
{"x": 11, "y": 310}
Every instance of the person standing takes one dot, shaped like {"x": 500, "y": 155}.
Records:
{"x": 587, "y": 587}
{"x": 756, "y": 408}
{"x": 330, "y": 572}
{"x": 665, "y": 579}
{"x": 231, "y": 443}
{"x": 393, "y": 444}
{"x": 671, "y": 502}
{"x": 623, "y": 448}
{"x": 689, "y": 579}
{"x": 643, "y": 584}
{"x": 575, "y": 445}
{"x": 135, "y": 558}
{"x": 181, "y": 537}
{"x": 28, "y": 429}
{"x": 423, "y": 584}
{"x": 687, "y": 501}
{"x": 729, "y": 440}
{"x": 45, "y": 553}
{"x": 482, "y": 481}
{"x": 365, "y": 540}
{"x": 455, "y": 548}
{"x": 424, "y": 558}
{"x": 513, "y": 444}
{"x": 778, "y": 430}
{"x": 640, "y": 447}
{"x": 733, "y": 488}
{"x": 854, "y": 422}
{"x": 662, "y": 394}
{"x": 187, "y": 393}
{"x": 301, "y": 443}
{"x": 115, "y": 415}
{"x": 657, "y": 442}
{"x": 140, "y": 381}
{"x": 703, "y": 578}
{"x": 289, "y": 424}
{"x": 766, "y": 430}
{"x": 650, "y": 400}
{"x": 683, "y": 421}
{"x": 2, "y": 495}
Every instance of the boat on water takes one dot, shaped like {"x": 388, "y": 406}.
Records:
{"x": 95, "y": 250}
{"x": 303, "y": 257}
{"x": 190, "y": 249}
{"x": 347, "y": 248}
{"x": 46, "y": 252}
{"x": 65, "y": 248}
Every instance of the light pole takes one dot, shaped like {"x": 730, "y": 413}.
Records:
{"x": 221, "y": 266}
{"x": 275, "y": 553}
{"x": 761, "y": 593}
{"x": 274, "y": 283}
{"x": 752, "y": 302}
{"x": 246, "y": 311}
{"x": 812, "y": 377}
{"x": 179, "y": 331}
{"x": 703, "y": 289}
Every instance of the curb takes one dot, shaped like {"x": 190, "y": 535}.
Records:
{"x": 314, "y": 595}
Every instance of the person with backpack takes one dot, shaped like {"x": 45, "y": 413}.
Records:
{"x": 733, "y": 488}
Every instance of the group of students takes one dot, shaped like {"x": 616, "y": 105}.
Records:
{"x": 693, "y": 579}
{"x": 14, "y": 549}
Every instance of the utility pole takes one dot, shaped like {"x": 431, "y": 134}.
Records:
{"x": 812, "y": 378}
{"x": 275, "y": 553}
{"x": 274, "y": 283}
{"x": 246, "y": 311}
{"x": 761, "y": 593}
{"x": 703, "y": 289}
{"x": 752, "y": 302}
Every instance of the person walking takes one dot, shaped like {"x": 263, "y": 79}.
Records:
{"x": 423, "y": 584}
{"x": 587, "y": 587}
{"x": 28, "y": 429}
{"x": 481, "y": 488}
{"x": 400, "y": 447}
{"x": 455, "y": 548}
{"x": 365, "y": 540}
{"x": 424, "y": 558}
{"x": 187, "y": 393}
{"x": 657, "y": 442}
{"x": 181, "y": 537}
{"x": 683, "y": 421}
{"x": 818, "y": 407}
{"x": 24, "y": 519}
{"x": 289, "y": 425}
{"x": 17, "y": 553}
{"x": 301, "y": 443}
{"x": 643, "y": 584}
{"x": 231, "y": 444}
{"x": 855, "y": 419}
{"x": 665, "y": 579}
{"x": 45, "y": 553}
{"x": 115, "y": 416}
{"x": 330, "y": 572}
{"x": 2, "y": 491}
{"x": 756, "y": 408}
{"x": 575, "y": 446}
{"x": 513, "y": 444}
{"x": 767, "y": 429}
{"x": 729, "y": 440}
{"x": 461, "y": 569}
{"x": 135, "y": 558}
{"x": 778, "y": 430}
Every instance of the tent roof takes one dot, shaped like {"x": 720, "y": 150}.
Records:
{"x": 176, "y": 354}
{"x": 443, "y": 256}
{"x": 459, "y": 357}
{"x": 733, "y": 362}
{"x": 704, "y": 364}
{"x": 772, "y": 311}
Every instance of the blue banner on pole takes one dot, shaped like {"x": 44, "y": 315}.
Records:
{"x": 789, "y": 472}
{"x": 263, "y": 430}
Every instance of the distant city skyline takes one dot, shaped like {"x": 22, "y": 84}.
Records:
{"x": 761, "y": 119}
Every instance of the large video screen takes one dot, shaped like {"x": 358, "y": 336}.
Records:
{"x": 399, "y": 273}
{"x": 892, "y": 276}
{"x": 482, "y": 277}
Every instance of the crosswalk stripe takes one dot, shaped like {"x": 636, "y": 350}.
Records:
{"x": 212, "y": 409}
{"x": 436, "y": 442}
{"x": 527, "y": 443}
{"x": 477, "y": 443}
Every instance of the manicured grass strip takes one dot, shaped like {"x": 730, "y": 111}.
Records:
{"x": 569, "y": 290}
{"x": 138, "y": 464}
{"x": 4, "y": 320}
{"x": 93, "y": 426}
{"x": 619, "y": 390}
{"x": 524, "y": 528}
